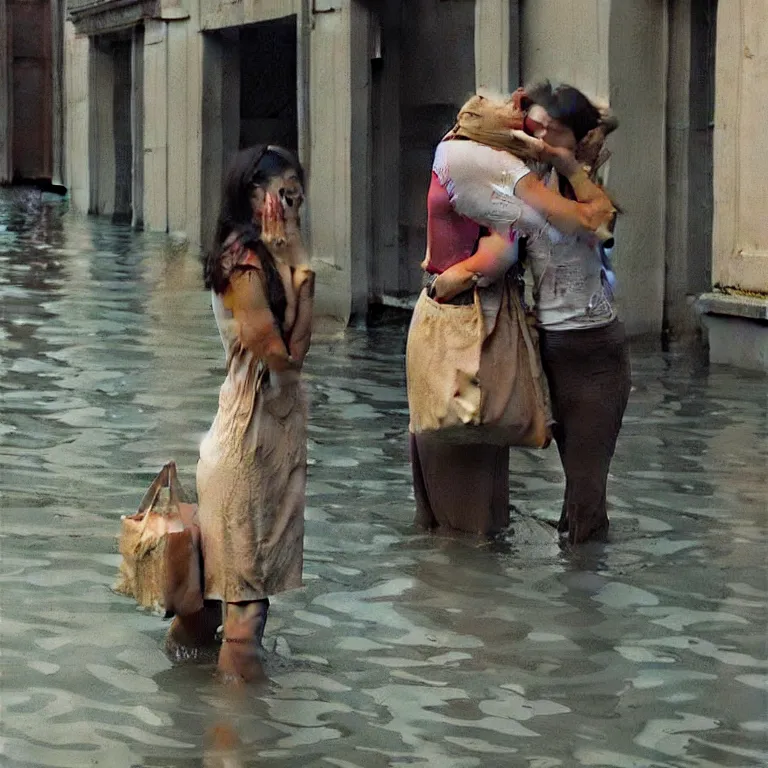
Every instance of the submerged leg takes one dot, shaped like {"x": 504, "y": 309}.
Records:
{"x": 243, "y": 632}
{"x": 192, "y": 636}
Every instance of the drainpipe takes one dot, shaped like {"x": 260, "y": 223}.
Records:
{"x": 303, "y": 44}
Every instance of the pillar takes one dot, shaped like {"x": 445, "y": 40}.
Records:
{"x": 57, "y": 90}
{"x": 497, "y": 45}
{"x": 676, "y": 318}
{"x": 101, "y": 145}
{"x": 156, "y": 125}
{"x": 638, "y": 54}
{"x": 340, "y": 182}
{"x": 76, "y": 118}
{"x": 137, "y": 126}
{"x": 568, "y": 42}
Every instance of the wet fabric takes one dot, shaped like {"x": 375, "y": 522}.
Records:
{"x": 460, "y": 487}
{"x": 589, "y": 383}
{"x": 251, "y": 477}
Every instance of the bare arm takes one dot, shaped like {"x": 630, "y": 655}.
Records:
{"x": 591, "y": 213}
{"x": 592, "y": 210}
{"x": 257, "y": 327}
{"x": 490, "y": 261}
{"x": 301, "y": 333}
{"x": 498, "y": 190}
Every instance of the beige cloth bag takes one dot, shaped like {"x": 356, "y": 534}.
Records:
{"x": 469, "y": 385}
{"x": 160, "y": 545}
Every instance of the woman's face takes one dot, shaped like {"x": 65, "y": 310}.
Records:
{"x": 555, "y": 133}
{"x": 286, "y": 187}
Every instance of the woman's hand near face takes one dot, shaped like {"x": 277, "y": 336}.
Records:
{"x": 281, "y": 236}
{"x": 562, "y": 159}
{"x": 273, "y": 232}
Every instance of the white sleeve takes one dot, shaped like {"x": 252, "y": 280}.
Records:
{"x": 481, "y": 183}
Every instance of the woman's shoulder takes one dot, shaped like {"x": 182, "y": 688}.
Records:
{"x": 238, "y": 256}
{"x": 458, "y": 149}
{"x": 459, "y": 156}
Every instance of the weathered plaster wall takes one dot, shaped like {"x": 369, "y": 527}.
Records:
{"x": 496, "y": 49}
{"x": 616, "y": 49}
{"x": 330, "y": 183}
{"x": 638, "y": 72}
{"x": 740, "y": 239}
{"x": 567, "y": 41}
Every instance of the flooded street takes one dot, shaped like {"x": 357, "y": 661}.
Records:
{"x": 402, "y": 649}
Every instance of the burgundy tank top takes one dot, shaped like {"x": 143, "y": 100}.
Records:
{"x": 451, "y": 237}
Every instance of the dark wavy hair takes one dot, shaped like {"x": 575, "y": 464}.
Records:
{"x": 565, "y": 104}
{"x": 251, "y": 167}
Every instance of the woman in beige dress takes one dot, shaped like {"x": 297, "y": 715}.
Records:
{"x": 251, "y": 475}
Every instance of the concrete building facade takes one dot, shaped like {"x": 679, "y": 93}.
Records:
{"x": 160, "y": 93}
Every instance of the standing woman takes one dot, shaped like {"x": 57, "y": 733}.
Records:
{"x": 479, "y": 193}
{"x": 251, "y": 475}
{"x": 584, "y": 349}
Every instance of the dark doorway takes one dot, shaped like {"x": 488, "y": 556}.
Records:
{"x": 700, "y": 146}
{"x": 30, "y": 28}
{"x": 416, "y": 91}
{"x": 268, "y": 88}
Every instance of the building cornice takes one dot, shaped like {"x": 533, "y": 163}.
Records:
{"x": 96, "y": 17}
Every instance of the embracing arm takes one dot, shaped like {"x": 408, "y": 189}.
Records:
{"x": 592, "y": 212}
{"x": 497, "y": 189}
{"x": 257, "y": 328}
{"x": 494, "y": 256}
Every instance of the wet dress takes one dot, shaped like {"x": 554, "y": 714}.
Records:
{"x": 252, "y": 471}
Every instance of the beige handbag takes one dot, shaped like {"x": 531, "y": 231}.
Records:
{"x": 466, "y": 385}
{"x": 160, "y": 545}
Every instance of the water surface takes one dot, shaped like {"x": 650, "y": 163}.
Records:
{"x": 403, "y": 649}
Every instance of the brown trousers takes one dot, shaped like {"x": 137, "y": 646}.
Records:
{"x": 589, "y": 382}
{"x": 460, "y": 487}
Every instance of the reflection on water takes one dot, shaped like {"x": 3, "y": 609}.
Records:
{"x": 402, "y": 649}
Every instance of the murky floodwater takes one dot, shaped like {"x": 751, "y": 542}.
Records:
{"x": 402, "y": 649}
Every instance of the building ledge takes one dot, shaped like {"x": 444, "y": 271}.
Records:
{"x": 734, "y": 305}
{"x": 93, "y": 17}
{"x": 398, "y": 301}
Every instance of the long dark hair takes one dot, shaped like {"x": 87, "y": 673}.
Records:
{"x": 567, "y": 105}
{"x": 251, "y": 167}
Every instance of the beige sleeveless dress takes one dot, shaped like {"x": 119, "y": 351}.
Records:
{"x": 251, "y": 477}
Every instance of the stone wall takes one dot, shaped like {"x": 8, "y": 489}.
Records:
{"x": 740, "y": 258}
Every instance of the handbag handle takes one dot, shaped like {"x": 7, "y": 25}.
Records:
{"x": 174, "y": 486}
{"x": 150, "y": 497}
{"x": 167, "y": 477}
